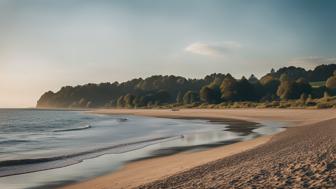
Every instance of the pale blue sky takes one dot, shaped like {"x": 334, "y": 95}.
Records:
{"x": 46, "y": 44}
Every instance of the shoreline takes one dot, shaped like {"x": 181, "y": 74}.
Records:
{"x": 140, "y": 172}
{"x": 154, "y": 150}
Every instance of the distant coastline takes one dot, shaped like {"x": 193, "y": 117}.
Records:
{"x": 288, "y": 87}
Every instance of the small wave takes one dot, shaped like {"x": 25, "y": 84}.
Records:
{"x": 74, "y": 129}
{"x": 13, "y": 141}
{"x": 98, "y": 152}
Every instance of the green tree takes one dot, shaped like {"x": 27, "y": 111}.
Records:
{"x": 253, "y": 79}
{"x": 285, "y": 87}
{"x": 284, "y": 77}
{"x": 121, "y": 101}
{"x": 46, "y": 100}
{"x": 137, "y": 101}
{"x": 317, "y": 92}
{"x": 216, "y": 94}
{"x": 269, "y": 87}
{"x": 128, "y": 100}
{"x": 179, "y": 98}
{"x": 245, "y": 90}
{"x": 270, "y": 84}
{"x": 206, "y": 94}
{"x": 289, "y": 89}
{"x": 210, "y": 94}
{"x": 302, "y": 86}
{"x": 190, "y": 97}
{"x": 162, "y": 97}
{"x": 331, "y": 82}
{"x": 228, "y": 88}
{"x": 272, "y": 71}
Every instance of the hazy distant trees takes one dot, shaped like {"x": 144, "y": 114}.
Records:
{"x": 285, "y": 83}
{"x": 46, "y": 99}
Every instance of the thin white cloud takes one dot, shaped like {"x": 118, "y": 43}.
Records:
{"x": 312, "y": 61}
{"x": 213, "y": 49}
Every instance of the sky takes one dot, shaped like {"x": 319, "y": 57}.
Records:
{"x": 47, "y": 44}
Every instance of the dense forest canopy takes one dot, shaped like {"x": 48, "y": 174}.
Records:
{"x": 283, "y": 84}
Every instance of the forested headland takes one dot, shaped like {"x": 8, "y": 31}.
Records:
{"x": 285, "y": 87}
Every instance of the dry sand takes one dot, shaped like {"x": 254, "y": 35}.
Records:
{"x": 298, "y": 157}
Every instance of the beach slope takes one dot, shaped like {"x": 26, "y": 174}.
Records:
{"x": 301, "y": 156}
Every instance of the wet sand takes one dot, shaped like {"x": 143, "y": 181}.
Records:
{"x": 298, "y": 157}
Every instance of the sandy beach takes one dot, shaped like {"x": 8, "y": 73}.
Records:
{"x": 302, "y": 156}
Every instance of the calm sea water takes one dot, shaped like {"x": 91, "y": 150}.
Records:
{"x": 37, "y": 145}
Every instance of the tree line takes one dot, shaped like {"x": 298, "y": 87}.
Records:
{"x": 284, "y": 84}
